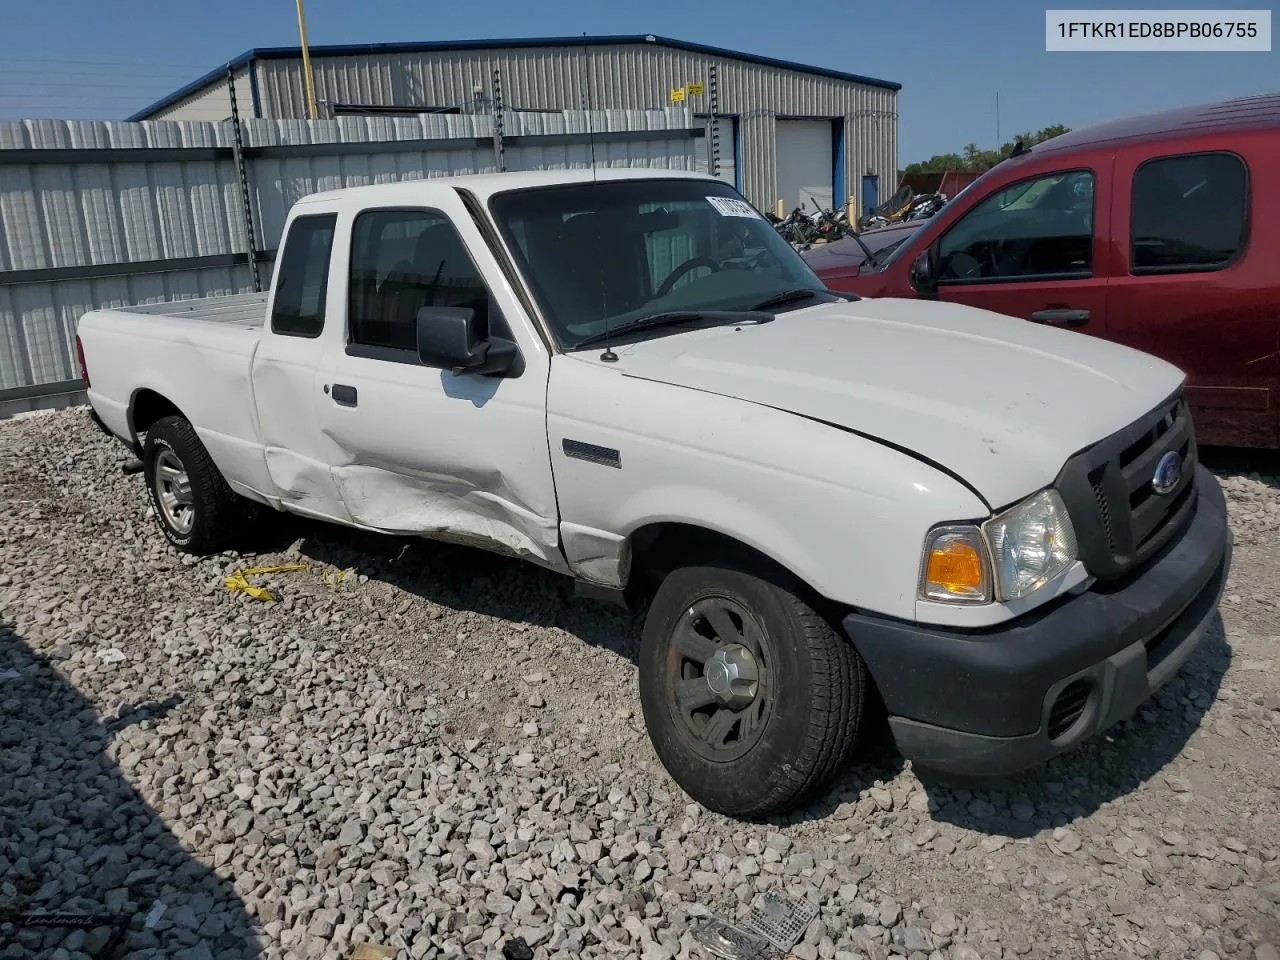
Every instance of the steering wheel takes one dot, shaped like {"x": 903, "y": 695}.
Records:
{"x": 681, "y": 270}
{"x": 963, "y": 265}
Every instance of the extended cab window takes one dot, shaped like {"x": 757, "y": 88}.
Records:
{"x": 1188, "y": 213}
{"x": 298, "y": 308}
{"x": 1039, "y": 228}
{"x": 402, "y": 261}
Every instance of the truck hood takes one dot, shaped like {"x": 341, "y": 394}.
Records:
{"x": 1000, "y": 402}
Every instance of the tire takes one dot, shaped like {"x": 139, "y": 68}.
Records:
{"x": 801, "y": 724}
{"x": 178, "y": 468}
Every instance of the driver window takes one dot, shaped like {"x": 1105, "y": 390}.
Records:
{"x": 401, "y": 261}
{"x": 1039, "y": 228}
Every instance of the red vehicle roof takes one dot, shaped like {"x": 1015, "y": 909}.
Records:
{"x": 1229, "y": 116}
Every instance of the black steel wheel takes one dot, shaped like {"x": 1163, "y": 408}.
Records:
{"x": 720, "y": 674}
{"x": 752, "y": 700}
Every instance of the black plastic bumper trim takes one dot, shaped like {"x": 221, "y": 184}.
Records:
{"x": 1121, "y": 683}
{"x": 999, "y": 684}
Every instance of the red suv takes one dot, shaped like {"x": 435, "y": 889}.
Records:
{"x": 1160, "y": 232}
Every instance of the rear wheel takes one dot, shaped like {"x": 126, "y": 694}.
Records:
{"x": 198, "y": 512}
{"x": 752, "y": 700}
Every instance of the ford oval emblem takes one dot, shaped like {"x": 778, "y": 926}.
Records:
{"x": 1168, "y": 473}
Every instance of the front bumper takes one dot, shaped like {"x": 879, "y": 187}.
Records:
{"x": 997, "y": 701}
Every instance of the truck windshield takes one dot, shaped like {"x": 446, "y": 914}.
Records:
{"x": 608, "y": 253}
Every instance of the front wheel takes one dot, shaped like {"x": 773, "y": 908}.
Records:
{"x": 753, "y": 702}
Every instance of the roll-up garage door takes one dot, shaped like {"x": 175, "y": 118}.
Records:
{"x": 805, "y": 163}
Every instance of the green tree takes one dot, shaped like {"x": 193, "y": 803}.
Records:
{"x": 974, "y": 158}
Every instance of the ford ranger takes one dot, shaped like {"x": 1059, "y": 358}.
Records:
{"x": 998, "y": 533}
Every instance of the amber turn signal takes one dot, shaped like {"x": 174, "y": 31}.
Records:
{"x": 955, "y": 566}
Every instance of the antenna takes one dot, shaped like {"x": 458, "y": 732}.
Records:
{"x": 591, "y": 127}
{"x": 998, "y": 144}
{"x": 608, "y": 356}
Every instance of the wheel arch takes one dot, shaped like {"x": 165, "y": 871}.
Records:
{"x": 659, "y": 547}
{"x": 146, "y": 406}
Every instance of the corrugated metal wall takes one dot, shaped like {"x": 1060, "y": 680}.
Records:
{"x": 623, "y": 76}
{"x": 99, "y": 214}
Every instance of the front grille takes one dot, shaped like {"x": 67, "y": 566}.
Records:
{"x": 1067, "y": 708}
{"x": 1119, "y": 519}
{"x": 1104, "y": 508}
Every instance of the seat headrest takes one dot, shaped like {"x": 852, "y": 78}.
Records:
{"x": 434, "y": 244}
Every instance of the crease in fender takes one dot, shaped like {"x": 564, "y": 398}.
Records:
{"x": 919, "y": 457}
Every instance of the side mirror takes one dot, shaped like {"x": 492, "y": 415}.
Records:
{"x": 923, "y": 275}
{"x": 448, "y": 337}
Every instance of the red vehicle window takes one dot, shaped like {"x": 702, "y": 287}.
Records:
{"x": 1041, "y": 227}
{"x": 1189, "y": 213}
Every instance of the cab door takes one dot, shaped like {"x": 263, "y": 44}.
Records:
{"x": 1034, "y": 249}
{"x": 1190, "y": 289}
{"x": 286, "y": 367}
{"x": 415, "y": 449}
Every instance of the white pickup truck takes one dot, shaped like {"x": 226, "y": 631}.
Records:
{"x": 1000, "y": 529}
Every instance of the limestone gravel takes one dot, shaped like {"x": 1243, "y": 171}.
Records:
{"x": 442, "y": 751}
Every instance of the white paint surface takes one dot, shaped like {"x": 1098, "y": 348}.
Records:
{"x": 813, "y": 438}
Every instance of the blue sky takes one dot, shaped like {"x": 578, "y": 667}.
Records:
{"x": 107, "y": 58}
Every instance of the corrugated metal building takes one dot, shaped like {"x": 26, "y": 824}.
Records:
{"x": 784, "y": 131}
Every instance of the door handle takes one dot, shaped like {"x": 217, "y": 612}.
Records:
{"x": 1061, "y": 317}
{"x": 343, "y": 394}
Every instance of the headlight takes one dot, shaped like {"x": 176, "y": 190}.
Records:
{"x": 1031, "y": 544}
{"x": 1010, "y": 556}
{"x": 955, "y": 567}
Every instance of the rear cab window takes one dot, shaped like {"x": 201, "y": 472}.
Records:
{"x": 303, "y": 276}
{"x": 1189, "y": 213}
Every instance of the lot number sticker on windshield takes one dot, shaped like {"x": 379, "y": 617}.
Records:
{"x": 729, "y": 207}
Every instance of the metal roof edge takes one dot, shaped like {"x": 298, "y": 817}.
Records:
{"x": 772, "y": 62}
{"x": 426, "y": 46}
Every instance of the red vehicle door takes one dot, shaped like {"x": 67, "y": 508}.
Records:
{"x": 1034, "y": 249}
{"x": 1189, "y": 285}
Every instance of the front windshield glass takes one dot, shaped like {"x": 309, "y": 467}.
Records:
{"x": 619, "y": 250}
{"x": 882, "y": 247}
{"x": 891, "y": 253}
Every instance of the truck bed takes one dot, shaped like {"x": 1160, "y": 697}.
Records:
{"x": 242, "y": 309}
{"x": 197, "y": 355}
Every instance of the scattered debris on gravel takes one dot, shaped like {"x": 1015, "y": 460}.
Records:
{"x": 441, "y": 751}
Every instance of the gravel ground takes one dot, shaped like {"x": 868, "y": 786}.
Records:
{"x": 444, "y": 750}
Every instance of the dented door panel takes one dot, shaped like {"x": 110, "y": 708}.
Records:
{"x": 284, "y": 375}
{"x": 457, "y": 458}
{"x": 414, "y": 449}
{"x": 284, "y": 381}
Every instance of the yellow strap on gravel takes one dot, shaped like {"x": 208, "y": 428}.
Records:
{"x": 238, "y": 582}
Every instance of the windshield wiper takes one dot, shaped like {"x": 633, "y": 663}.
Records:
{"x": 671, "y": 318}
{"x": 786, "y": 296}
{"x": 874, "y": 259}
